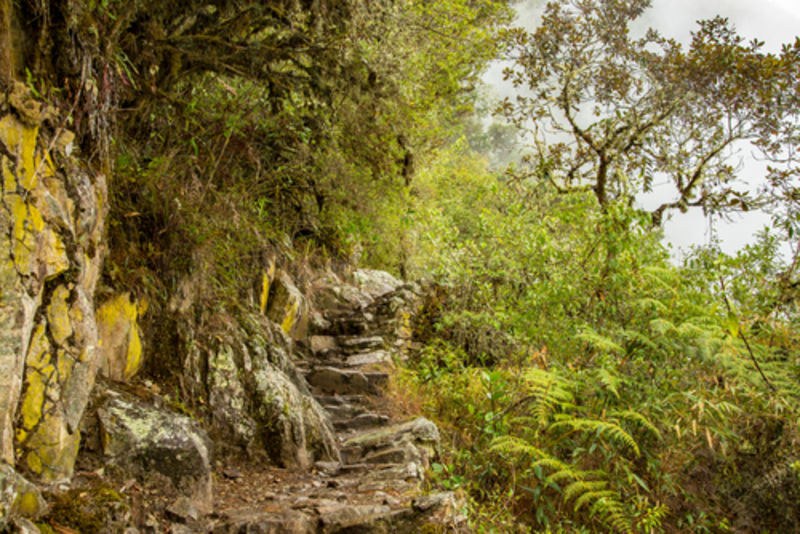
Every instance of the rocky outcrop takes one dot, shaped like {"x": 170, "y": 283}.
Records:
{"x": 257, "y": 401}
{"x": 51, "y": 249}
{"x": 151, "y": 441}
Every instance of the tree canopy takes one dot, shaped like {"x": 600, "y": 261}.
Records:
{"x": 613, "y": 113}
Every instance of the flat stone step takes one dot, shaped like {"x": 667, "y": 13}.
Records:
{"x": 339, "y": 400}
{"x": 397, "y": 455}
{"x": 368, "y": 358}
{"x": 361, "y": 422}
{"x": 344, "y": 412}
{"x": 329, "y": 380}
{"x": 323, "y": 345}
{"x": 353, "y": 344}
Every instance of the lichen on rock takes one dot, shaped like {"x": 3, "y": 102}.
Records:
{"x": 119, "y": 337}
{"x": 149, "y": 440}
{"x": 53, "y": 213}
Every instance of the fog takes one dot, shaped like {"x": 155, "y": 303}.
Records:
{"x": 774, "y": 22}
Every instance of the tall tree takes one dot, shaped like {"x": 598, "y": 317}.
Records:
{"x": 611, "y": 113}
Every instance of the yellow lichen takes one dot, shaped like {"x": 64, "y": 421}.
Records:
{"x": 58, "y": 315}
{"x": 133, "y": 360}
{"x": 119, "y": 339}
{"x": 20, "y": 139}
{"x": 264, "y": 292}
{"x": 290, "y": 315}
{"x": 27, "y": 504}
{"x": 39, "y": 349}
{"x": 51, "y": 450}
{"x": 33, "y": 401}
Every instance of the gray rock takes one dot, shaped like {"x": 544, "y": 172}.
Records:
{"x": 376, "y": 283}
{"x": 369, "y": 358}
{"x": 331, "y": 380}
{"x": 420, "y": 433}
{"x": 258, "y": 521}
{"x": 145, "y": 439}
{"x": 343, "y": 516}
{"x": 294, "y": 427}
{"x": 18, "y": 497}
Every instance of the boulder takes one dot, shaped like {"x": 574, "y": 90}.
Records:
{"x": 148, "y": 441}
{"x": 375, "y": 283}
{"x": 258, "y": 400}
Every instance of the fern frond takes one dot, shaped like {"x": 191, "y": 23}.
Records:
{"x": 599, "y": 342}
{"x": 514, "y": 446}
{"x": 609, "y": 380}
{"x": 609, "y": 429}
{"x": 640, "y": 338}
{"x": 636, "y": 417}
{"x": 583, "y": 487}
{"x": 603, "y": 498}
{"x": 650, "y": 303}
{"x": 662, "y": 326}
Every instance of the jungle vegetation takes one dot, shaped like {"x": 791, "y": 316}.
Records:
{"x": 586, "y": 381}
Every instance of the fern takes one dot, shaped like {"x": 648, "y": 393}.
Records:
{"x": 609, "y": 429}
{"x": 610, "y": 381}
{"x": 514, "y": 446}
{"x": 582, "y": 487}
{"x": 599, "y": 343}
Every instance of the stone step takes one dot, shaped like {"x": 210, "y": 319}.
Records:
{"x": 330, "y": 380}
{"x": 360, "y": 422}
{"x": 348, "y": 325}
{"x": 323, "y": 345}
{"x": 368, "y": 358}
{"x": 338, "y": 400}
{"x": 354, "y": 344}
{"x": 344, "y": 412}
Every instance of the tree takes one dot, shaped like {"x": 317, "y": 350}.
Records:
{"x": 610, "y": 113}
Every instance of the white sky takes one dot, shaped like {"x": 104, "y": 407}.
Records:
{"x": 773, "y": 21}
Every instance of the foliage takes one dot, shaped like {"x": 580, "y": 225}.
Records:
{"x": 628, "y": 398}
{"x": 610, "y": 113}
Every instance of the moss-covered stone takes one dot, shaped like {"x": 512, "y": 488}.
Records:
{"x": 147, "y": 440}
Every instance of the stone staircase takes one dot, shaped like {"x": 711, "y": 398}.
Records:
{"x": 378, "y": 484}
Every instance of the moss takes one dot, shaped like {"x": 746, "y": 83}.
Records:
{"x": 85, "y": 511}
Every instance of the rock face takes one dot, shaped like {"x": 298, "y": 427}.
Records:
{"x": 52, "y": 215}
{"x": 151, "y": 441}
{"x": 256, "y": 399}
